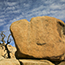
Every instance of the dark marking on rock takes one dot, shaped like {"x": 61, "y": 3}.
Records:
{"x": 61, "y": 23}
{"x": 60, "y": 27}
{"x": 40, "y": 43}
{"x": 64, "y": 30}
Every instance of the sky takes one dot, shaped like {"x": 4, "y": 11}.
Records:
{"x": 13, "y": 10}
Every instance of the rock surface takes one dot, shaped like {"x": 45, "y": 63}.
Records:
{"x": 9, "y": 62}
{"x": 35, "y": 62}
{"x": 4, "y": 53}
{"x": 24, "y": 62}
{"x": 12, "y": 50}
{"x": 42, "y": 37}
{"x": 62, "y": 63}
{"x": 14, "y": 61}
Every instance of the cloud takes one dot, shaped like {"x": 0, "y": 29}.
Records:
{"x": 26, "y": 5}
{"x": 10, "y": 3}
{"x": 2, "y": 23}
{"x": 10, "y": 8}
{"x": 2, "y": 16}
{"x": 13, "y": 11}
{"x": 1, "y": 20}
{"x": 15, "y": 19}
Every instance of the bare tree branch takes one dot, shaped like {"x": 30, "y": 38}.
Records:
{"x": 9, "y": 40}
{"x": 3, "y": 36}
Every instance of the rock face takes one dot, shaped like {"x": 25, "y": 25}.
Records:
{"x": 62, "y": 63}
{"x": 12, "y": 50}
{"x": 24, "y": 62}
{"x": 35, "y": 62}
{"x": 9, "y": 62}
{"x": 4, "y": 53}
{"x": 42, "y": 37}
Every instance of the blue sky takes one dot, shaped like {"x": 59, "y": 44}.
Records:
{"x": 13, "y": 10}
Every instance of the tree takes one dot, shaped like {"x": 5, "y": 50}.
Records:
{"x": 3, "y": 38}
{"x": 2, "y": 35}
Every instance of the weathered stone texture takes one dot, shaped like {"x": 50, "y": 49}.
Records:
{"x": 4, "y": 52}
{"x": 9, "y": 62}
{"x": 35, "y": 62}
{"x": 42, "y": 37}
{"x": 62, "y": 63}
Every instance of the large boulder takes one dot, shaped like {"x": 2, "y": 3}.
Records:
{"x": 42, "y": 37}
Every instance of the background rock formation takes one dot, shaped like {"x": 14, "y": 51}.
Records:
{"x": 42, "y": 37}
{"x": 4, "y": 53}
